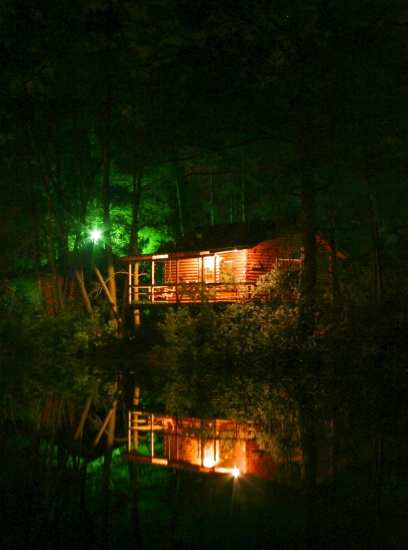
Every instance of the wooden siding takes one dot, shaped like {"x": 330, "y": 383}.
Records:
{"x": 192, "y": 270}
{"x": 189, "y": 270}
{"x": 260, "y": 260}
{"x": 259, "y": 463}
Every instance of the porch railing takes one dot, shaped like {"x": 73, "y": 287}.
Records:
{"x": 194, "y": 292}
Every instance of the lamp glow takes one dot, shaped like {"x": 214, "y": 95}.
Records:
{"x": 209, "y": 462}
{"x": 235, "y": 471}
{"x": 95, "y": 235}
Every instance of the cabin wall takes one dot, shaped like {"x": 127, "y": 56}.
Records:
{"x": 260, "y": 260}
{"x": 231, "y": 266}
{"x": 188, "y": 449}
{"x": 189, "y": 270}
{"x": 259, "y": 463}
{"x": 287, "y": 251}
{"x": 183, "y": 441}
{"x": 222, "y": 267}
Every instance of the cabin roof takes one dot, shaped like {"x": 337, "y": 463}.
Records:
{"x": 219, "y": 237}
{"x": 224, "y": 237}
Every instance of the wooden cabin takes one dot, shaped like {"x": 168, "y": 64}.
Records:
{"x": 206, "y": 446}
{"x": 219, "y": 263}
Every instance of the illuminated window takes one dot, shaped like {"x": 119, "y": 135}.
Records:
{"x": 227, "y": 272}
{"x": 209, "y": 269}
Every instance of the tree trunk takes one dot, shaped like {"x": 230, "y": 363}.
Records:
{"x": 110, "y": 298}
{"x": 79, "y": 276}
{"x": 378, "y": 449}
{"x": 102, "y": 428}
{"x": 243, "y": 216}
{"x": 335, "y": 467}
{"x": 211, "y": 198}
{"x": 106, "y": 116}
{"x": 377, "y": 264}
{"x": 308, "y": 232}
{"x": 135, "y": 516}
{"x": 137, "y": 193}
{"x": 307, "y": 421}
{"x": 80, "y": 427}
{"x": 180, "y": 211}
{"x": 306, "y": 322}
{"x": 333, "y": 256}
{"x": 109, "y": 446}
{"x": 57, "y": 304}
{"x": 36, "y": 237}
{"x": 134, "y": 241}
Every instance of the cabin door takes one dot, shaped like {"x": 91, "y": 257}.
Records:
{"x": 208, "y": 269}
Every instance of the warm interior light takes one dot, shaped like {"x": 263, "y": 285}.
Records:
{"x": 235, "y": 471}
{"x": 209, "y": 462}
{"x": 95, "y": 235}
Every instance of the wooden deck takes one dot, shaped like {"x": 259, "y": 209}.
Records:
{"x": 193, "y": 293}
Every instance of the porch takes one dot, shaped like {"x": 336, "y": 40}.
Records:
{"x": 202, "y": 277}
{"x": 191, "y": 292}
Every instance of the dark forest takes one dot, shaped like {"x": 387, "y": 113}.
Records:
{"x": 131, "y": 129}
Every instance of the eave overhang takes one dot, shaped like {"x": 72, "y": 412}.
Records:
{"x": 182, "y": 255}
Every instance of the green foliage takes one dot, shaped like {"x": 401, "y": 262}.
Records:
{"x": 248, "y": 361}
{"x": 54, "y": 357}
{"x": 243, "y": 362}
{"x": 60, "y": 362}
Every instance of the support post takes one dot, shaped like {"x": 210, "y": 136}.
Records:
{"x": 153, "y": 279}
{"x": 177, "y": 281}
{"x": 202, "y": 442}
{"x": 136, "y": 402}
{"x": 129, "y": 443}
{"x": 177, "y": 450}
{"x": 130, "y": 290}
{"x": 151, "y": 436}
{"x": 136, "y": 294}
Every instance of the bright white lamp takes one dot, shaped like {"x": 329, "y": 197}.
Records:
{"x": 95, "y": 235}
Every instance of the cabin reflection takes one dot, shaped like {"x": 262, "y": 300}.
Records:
{"x": 204, "y": 445}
